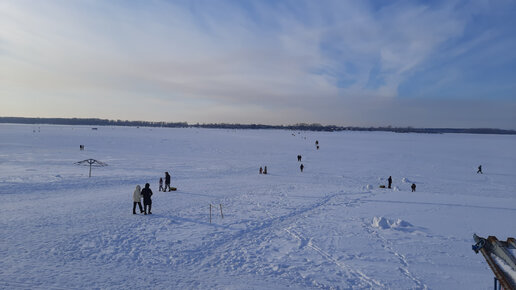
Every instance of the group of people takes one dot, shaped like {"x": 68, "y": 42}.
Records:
{"x": 146, "y": 194}
{"x": 389, "y": 184}
{"x": 299, "y": 157}
{"x": 413, "y": 186}
{"x": 167, "y": 182}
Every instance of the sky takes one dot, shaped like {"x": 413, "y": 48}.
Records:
{"x": 350, "y": 63}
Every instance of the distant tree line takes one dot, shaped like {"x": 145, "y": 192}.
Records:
{"x": 296, "y": 127}
{"x": 90, "y": 122}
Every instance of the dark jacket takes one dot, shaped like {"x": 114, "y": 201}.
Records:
{"x": 167, "y": 178}
{"x": 147, "y": 193}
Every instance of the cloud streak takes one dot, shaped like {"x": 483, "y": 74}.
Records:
{"x": 334, "y": 62}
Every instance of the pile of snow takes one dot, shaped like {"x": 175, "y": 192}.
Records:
{"x": 405, "y": 180}
{"x": 385, "y": 223}
{"x": 369, "y": 187}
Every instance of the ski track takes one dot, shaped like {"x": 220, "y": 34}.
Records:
{"x": 308, "y": 242}
{"x": 211, "y": 252}
{"x": 348, "y": 269}
{"x": 404, "y": 268}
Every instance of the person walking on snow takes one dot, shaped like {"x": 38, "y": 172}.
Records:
{"x": 167, "y": 181}
{"x": 160, "y": 184}
{"x": 147, "y": 201}
{"x": 479, "y": 169}
{"x": 413, "y": 186}
{"x": 137, "y": 197}
{"x": 301, "y": 167}
{"x": 261, "y": 170}
{"x": 265, "y": 170}
{"x": 390, "y": 182}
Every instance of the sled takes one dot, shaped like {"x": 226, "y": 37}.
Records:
{"x": 172, "y": 189}
{"x": 382, "y": 186}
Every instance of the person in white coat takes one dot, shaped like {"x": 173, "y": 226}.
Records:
{"x": 137, "y": 199}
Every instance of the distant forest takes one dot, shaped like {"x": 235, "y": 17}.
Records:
{"x": 296, "y": 127}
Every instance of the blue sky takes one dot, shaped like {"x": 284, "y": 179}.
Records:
{"x": 357, "y": 63}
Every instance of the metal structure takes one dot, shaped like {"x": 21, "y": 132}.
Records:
{"x": 91, "y": 162}
{"x": 500, "y": 256}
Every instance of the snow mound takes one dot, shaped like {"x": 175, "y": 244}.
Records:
{"x": 396, "y": 188}
{"x": 369, "y": 187}
{"x": 385, "y": 223}
{"x": 405, "y": 180}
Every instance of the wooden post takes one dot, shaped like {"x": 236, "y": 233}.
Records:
{"x": 210, "y": 213}
{"x": 221, "y": 214}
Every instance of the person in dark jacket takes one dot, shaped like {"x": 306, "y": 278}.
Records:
{"x": 265, "y": 170}
{"x": 301, "y": 167}
{"x": 479, "y": 169}
{"x": 161, "y": 184}
{"x": 390, "y": 181}
{"x": 147, "y": 201}
{"x": 167, "y": 181}
{"x": 413, "y": 187}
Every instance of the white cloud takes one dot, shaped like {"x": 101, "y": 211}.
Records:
{"x": 214, "y": 60}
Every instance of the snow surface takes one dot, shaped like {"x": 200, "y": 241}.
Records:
{"x": 315, "y": 229}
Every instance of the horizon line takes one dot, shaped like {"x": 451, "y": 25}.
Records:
{"x": 16, "y": 120}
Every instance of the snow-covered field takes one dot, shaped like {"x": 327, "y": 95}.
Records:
{"x": 329, "y": 227}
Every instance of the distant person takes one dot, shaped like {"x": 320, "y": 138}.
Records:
{"x": 317, "y": 147}
{"x": 261, "y": 170}
{"x": 147, "y": 201}
{"x": 316, "y": 142}
{"x": 301, "y": 167}
{"x": 161, "y": 184}
{"x": 413, "y": 186}
{"x": 299, "y": 158}
{"x": 479, "y": 169}
{"x": 265, "y": 170}
{"x": 390, "y": 182}
{"x": 137, "y": 199}
{"x": 167, "y": 181}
